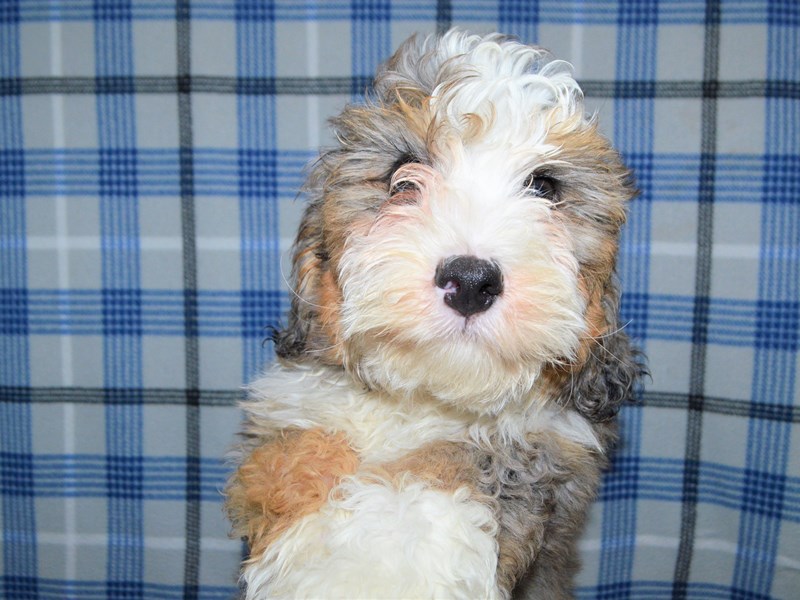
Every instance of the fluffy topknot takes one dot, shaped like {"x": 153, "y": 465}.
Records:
{"x": 492, "y": 77}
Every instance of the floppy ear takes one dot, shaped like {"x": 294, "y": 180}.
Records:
{"x": 307, "y": 262}
{"x": 313, "y": 318}
{"x": 608, "y": 377}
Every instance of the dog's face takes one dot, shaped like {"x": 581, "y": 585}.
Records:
{"x": 461, "y": 240}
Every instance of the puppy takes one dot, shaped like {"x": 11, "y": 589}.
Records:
{"x": 446, "y": 388}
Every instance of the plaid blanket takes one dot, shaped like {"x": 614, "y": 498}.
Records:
{"x": 150, "y": 155}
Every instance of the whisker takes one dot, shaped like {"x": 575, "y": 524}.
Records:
{"x": 610, "y": 333}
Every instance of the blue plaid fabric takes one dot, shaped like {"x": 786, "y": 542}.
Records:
{"x": 150, "y": 156}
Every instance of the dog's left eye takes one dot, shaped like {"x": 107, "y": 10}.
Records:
{"x": 540, "y": 186}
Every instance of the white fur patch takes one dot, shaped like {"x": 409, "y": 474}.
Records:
{"x": 541, "y": 417}
{"x": 381, "y": 428}
{"x": 378, "y": 427}
{"x": 378, "y": 541}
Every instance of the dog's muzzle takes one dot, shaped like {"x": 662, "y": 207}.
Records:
{"x": 471, "y": 284}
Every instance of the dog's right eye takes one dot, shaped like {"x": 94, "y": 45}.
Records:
{"x": 402, "y": 188}
{"x": 403, "y": 185}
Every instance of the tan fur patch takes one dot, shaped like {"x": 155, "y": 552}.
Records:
{"x": 444, "y": 465}
{"x": 330, "y": 300}
{"x": 595, "y": 316}
{"x": 285, "y": 480}
{"x": 307, "y": 265}
{"x": 415, "y": 108}
{"x": 554, "y": 376}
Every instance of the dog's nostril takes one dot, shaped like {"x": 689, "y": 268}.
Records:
{"x": 470, "y": 284}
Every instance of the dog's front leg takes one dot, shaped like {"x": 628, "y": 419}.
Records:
{"x": 344, "y": 529}
{"x": 284, "y": 480}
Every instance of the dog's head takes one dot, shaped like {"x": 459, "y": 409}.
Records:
{"x": 460, "y": 241}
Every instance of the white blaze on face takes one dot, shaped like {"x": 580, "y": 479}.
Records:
{"x": 394, "y": 317}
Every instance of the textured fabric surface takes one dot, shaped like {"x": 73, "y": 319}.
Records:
{"x": 150, "y": 156}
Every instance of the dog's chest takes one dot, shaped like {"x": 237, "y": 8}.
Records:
{"x": 382, "y": 429}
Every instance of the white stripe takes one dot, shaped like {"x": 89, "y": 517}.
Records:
{"x": 689, "y": 249}
{"x": 727, "y": 547}
{"x": 595, "y": 545}
{"x": 649, "y": 541}
{"x": 92, "y": 242}
{"x": 63, "y": 243}
{"x": 65, "y": 342}
{"x": 155, "y": 543}
{"x": 748, "y": 251}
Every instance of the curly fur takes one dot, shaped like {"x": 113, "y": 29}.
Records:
{"x": 401, "y": 447}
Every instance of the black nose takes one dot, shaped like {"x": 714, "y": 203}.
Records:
{"x": 471, "y": 284}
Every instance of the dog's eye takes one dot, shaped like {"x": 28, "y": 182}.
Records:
{"x": 402, "y": 185}
{"x": 540, "y": 186}
{"x": 405, "y": 159}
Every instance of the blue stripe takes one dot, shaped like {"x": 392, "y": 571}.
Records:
{"x": 58, "y": 589}
{"x": 633, "y": 135}
{"x": 222, "y": 172}
{"x": 659, "y": 590}
{"x": 732, "y": 322}
{"x": 147, "y": 312}
{"x": 370, "y": 41}
{"x": 775, "y": 366}
{"x": 619, "y": 507}
{"x": 769, "y": 495}
{"x": 520, "y": 18}
{"x": 87, "y": 476}
{"x": 121, "y": 280}
{"x": 153, "y": 172}
{"x": 258, "y": 205}
{"x": 602, "y": 12}
{"x": 20, "y": 555}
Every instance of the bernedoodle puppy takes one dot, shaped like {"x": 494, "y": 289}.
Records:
{"x": 447, "y": 385}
